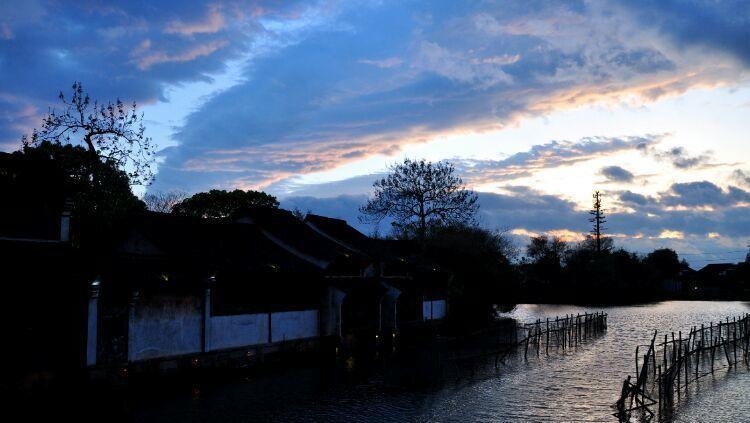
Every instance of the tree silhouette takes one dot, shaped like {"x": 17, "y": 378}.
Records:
{"x": 111, "y": 132}
{"x": 597, "y": 219}
{"x": 220, "y": 204}
{"x": 163, "y": 202}
{"x": 97, "y": 189}
{"x": 419, "y": 195}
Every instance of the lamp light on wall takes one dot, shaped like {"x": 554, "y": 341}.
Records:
{"x": 95, "y": 287}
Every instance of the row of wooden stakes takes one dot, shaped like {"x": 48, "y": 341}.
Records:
{"x": 562, "y": 332}
{"x": 670, "y": 366}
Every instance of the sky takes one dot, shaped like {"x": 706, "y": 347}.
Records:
{"x": 536, "y": 103}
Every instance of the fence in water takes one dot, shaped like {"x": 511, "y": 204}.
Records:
{"x": 535, "y": 338}
{"x": 565, "y": 332}
{"x": 669, "y": 367}
{"x": 480, "y": 354}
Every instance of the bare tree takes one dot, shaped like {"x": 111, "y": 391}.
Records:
{"x": 111, "y": 132}
{"x": 597, "y": 219}
{"x": 419, "y": 195}
{"x": 163, "y": 202}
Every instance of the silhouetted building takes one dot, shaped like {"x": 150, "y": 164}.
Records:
{"x": 715, "y": 280}
{"x": 153, "y": 292}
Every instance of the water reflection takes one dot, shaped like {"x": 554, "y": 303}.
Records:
{"x": 579, "y": 385}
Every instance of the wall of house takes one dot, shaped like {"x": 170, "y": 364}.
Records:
{"x": 164, "y": 326}
{"x": 238, "y": 331}
{"x": 389, "y": 309}
{"x": 167, "y": 326}
{"x": 92, "y": 329}
{"x": 433, "y": 310}
{"x": 330, "y": 314}
{"x": 289, "y": 325}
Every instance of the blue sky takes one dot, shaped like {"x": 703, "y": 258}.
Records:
{"x": 537, "y": 103}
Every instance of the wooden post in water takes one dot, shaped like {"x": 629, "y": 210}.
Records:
{"x": 698, "y": 359}
{"x": 637, "y": 370}
{"x": 713, "y": 350}
{"x": 546, "y": 344}
{"x": 538, "y": 335}
{"x": 653, "y": 355}
{"x": 677, "y": 363}
{"x": 726, "y": 352}
{"x": 658, "y": 385}
{"x": 526, "y": 349}
{"x": 687, "y": 364}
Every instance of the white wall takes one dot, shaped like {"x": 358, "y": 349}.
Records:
{"x": 164, "y": 326}
{"x": 238, "y": 331}
{"x": 91, "y": 331}
{"x": 290, "y": 325}
{"x": 439, "y": 309}
{"x": 331, "y": 311}
{"x": 167, "y": 326}
{"x": 433, "y": 310}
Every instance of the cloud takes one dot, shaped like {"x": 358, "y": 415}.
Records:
{"x": 149, "y": 59}
{"x": 680, "y": 159}
{"x": 551, "y": 155}
{"x": 383, "y": 63}
{"x": 742, "y": 177}
{"x": 328, "y": 83}
{"x": 433, "y": 71}
{"x": 127, "y": 50}
{"x": 616, "y": 174}
{"x": 211, "y": 24}
{"x": 703, "y": 193}
{"x": 720, "y": 25}
{"x": 629, "y": 197}
{"x": 357, "y": 185}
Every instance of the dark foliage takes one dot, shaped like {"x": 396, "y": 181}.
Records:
{"x": 545, "y": 255}
{"x": 483, "y": 275}
{"x": 220, "y": 204}
{"x": 663, "y": 264}
{"x": 594, "y": 272}
{"x": 97, "y": 188}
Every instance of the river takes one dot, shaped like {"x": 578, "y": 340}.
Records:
{"x": 579, "y": 385}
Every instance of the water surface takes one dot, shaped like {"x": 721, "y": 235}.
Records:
{"x": 578, "y": 385}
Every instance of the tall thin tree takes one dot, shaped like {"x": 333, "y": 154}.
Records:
{"x": 597, "y": 219}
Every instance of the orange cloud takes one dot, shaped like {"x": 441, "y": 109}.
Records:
{"x": 213, "y": 23}
{"x": 201, "y": 50}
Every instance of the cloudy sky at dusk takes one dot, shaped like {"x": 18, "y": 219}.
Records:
{"x": 537, "y": 103}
